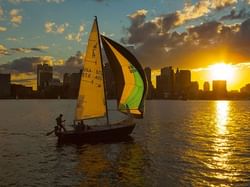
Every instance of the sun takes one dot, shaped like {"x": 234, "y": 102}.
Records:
{"x": 222, "y": 71}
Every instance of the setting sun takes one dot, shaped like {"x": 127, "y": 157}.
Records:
{"x": 222, "y": 71}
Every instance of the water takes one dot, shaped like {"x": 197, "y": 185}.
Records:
{"x": 178, "y": 143}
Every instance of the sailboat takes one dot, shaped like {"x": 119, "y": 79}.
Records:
{"x": 131, "y": 86}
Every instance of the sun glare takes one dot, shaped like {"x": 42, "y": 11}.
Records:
{"x": 222, "y": 71}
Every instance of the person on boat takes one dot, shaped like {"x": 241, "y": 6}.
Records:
{"x": 81, "y": 125}
{"x": 59, "y": 122}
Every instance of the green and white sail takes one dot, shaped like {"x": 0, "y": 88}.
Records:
{"x": 130, "y": 79}
{"x": 91, "y": 99}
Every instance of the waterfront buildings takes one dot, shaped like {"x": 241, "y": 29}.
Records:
{"x": 44, "y": 76}
{"x": 219, "y": 89}
{"x": 5, "y": 88}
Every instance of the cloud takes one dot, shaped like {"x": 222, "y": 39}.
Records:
{"x": 242, "y": 14}
{"x": 19, "y": 1}
{"x": 1, "y": 12}
{"x": 29, "y": 64}
{"x": 22, "y": 65}
{"x": 219, "y": 4}
{"x": 15, "y": 17}
{"x": 3, "y": 50}
{"x": 141, "y": 28}
{"x": 42, "y": 47}
{"x": 198, "y": 45}
{"x": 3, "y": 29}
{"x": 26, "y": 50}
{"x": 12, "y": 39}
{"x": 27, "y": 79}
{"x": 76, "y": 36}
{"x": 55, "y": 1}
{"x": 52, "y": 27}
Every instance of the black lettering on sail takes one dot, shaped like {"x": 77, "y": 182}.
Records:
{"x": 94, "y": 51}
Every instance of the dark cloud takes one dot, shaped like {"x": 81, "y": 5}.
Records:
{"x": 196, "y": 47}
{"x": 71, "y": 65}
{"x": 242, "y": 14}
{"x": 22, "y": 65}
{"x": 26, "y": 50}
{"x": 169, "y": 21}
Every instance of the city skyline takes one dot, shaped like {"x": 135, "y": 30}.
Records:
{"x": 209, "y": 37}
{"x": 170, "y": 84}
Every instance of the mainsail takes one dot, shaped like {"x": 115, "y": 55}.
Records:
{"x": 130, "y": 79}
{"x": 91, "y": 98}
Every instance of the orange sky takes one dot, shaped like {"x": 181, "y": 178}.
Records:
{"x": 240, "y": 76}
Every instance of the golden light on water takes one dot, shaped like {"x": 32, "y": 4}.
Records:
{"x": 222, "y": 108}
{"x": 223, "y": 170}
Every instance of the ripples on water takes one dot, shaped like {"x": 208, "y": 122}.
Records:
{"x": 178, "y": 143}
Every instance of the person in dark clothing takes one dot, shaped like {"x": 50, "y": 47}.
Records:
{"x": 59, "y": 122}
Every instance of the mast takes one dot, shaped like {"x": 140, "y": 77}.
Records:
{"x": 104, "y": 82}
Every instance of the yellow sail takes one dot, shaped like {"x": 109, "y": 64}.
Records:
{"x": 91, "y": 98}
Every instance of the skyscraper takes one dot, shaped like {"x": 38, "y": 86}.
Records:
{"x": 44, "y": 76}
{"x": 220, "y": 88}
{"x": 5, "y": 85}
{"x": 182, "y": 81}
{"x": 165, "y": 82}
{"x": 206, "y": 87}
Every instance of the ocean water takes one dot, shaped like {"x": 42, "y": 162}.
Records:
{"x": 178, "y": 143}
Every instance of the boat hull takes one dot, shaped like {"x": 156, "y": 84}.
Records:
{"x": 97, "y": 134}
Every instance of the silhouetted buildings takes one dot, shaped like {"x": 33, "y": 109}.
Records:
{"x": 165, "y": 83}
{"x": 182, "y": 82}
{"x": 245, "y": 91}
{"x": 206, "y": 86}
{"x": 44, "y": 76}
{"x": 71, "y": 83}
{"x": 219, "y": 89}
{"x": 169, "y": 85}
{"x": 21, "y": 92}
{"x": 5, "y": 89}
{"x": 193, "y": 90}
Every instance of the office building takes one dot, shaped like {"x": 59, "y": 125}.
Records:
{"x": 5, "y": 88}
{"x": 206, "y": 86}
{"x": 220, "y": 89}
{"x": 71, "y": 83}
{"x": 182, "y": 81}
{"x": 44, "y": 76}
{"x": 165, "y": 83}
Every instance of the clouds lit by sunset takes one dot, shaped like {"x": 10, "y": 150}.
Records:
{"x": 192, "y": 34}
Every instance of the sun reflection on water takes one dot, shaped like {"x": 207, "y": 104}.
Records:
{"x": 222, "y": 109}
{"x": 222, "y": 150}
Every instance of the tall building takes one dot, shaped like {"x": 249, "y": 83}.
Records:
{"x": 206, "y": 86}
{"x": 245, "y": 89}
{"x": 165, "y": 83}
{"x": 44, "y": 76}
{"x": 71, "y": 83}
{"x": 220, "y": 89}
{"x": 182, "y": 82}
{"x": 193, "y": 90}
{"x": 5, "y": 87}
{"x": 167, "y": 74}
